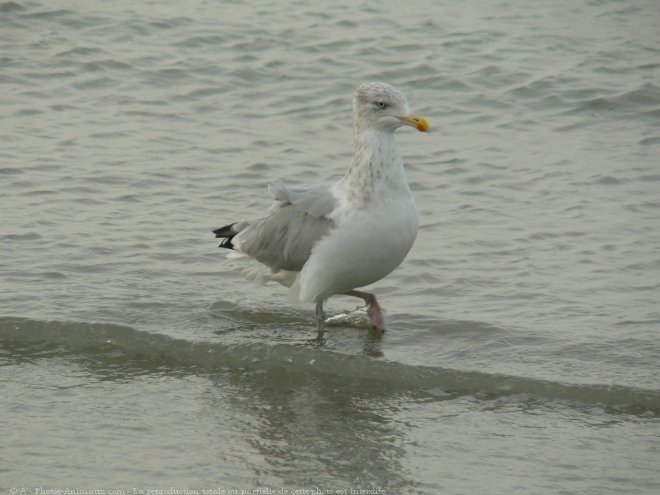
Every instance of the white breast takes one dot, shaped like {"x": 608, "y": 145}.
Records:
{"x": 366, "y": 246}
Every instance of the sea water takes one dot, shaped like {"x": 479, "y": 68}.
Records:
{"x": 522, "y": 353}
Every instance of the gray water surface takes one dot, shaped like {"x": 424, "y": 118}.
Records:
{"x": 522, "y": 352}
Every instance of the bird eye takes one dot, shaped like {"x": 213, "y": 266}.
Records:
{"x": 381, "y": 104}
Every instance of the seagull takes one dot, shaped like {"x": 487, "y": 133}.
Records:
{"x": 334, "y": 238}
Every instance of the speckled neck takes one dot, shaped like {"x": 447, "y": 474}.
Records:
{"x": 377, "y": 169}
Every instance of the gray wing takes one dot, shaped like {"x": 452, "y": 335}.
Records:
{"x": 284, "y": 239}
{"x": 317, "y": 200}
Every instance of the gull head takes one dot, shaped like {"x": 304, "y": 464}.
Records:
{"x": 382, "y": 107}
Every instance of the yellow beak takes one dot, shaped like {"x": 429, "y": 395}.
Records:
{"x": 416, "y": 121}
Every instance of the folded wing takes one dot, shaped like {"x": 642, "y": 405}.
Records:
{"x": 283, "y": 240}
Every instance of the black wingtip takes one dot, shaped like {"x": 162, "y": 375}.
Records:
{"x": 226, "y": 233}
{"x": 226, "y": 243}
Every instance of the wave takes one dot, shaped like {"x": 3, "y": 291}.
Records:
{"x": 103, "y": 341}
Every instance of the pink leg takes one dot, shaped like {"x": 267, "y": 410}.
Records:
{"x": 373, "y": 309}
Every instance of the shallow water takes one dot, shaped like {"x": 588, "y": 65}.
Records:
{"x": 522, "y": 347}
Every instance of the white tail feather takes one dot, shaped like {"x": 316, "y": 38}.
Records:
{"x": 260, "y": 273}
